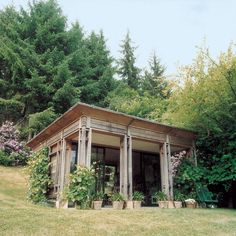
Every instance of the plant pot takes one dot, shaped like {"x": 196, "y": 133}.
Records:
{"x": 118, "y": 205}
{"x": 129, "y": 204}
{"x": 137, "y": 204}
{"x": 163, "y": 204}
{"x": 171, "y": 204}
{"x": 97, "y": 205}
{"x": 178, "y": 204}
{"x": 190, "y": 205}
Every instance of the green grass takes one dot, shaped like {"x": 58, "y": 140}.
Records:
{"x": 17, "y": 217}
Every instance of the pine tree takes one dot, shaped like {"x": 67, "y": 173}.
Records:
{"x": 126, "y": 65}
{"x": 154, "y": 81}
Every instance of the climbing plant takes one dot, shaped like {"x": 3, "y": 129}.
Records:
{"x": 39, "y": 179}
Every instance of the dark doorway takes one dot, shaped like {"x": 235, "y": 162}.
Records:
{"x": 146, "y": 174}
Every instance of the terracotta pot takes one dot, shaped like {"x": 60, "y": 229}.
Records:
{"x": 137, "y": 204}
{"x": 118, "y": 205}
{"x": 178, "y": 204}
{"x": 190, "y": 205}
{"x": 97, "y": 205}
{"x": 163, "y": 204}
{"x": 129, "y": 204}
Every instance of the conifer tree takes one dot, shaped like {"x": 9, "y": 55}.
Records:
{"x": 154, "y": 81}
{"x": 126, "y": 65}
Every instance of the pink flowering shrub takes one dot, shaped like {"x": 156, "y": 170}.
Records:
{"x": 176, "y": 160}
{"x": 12, "y": 150}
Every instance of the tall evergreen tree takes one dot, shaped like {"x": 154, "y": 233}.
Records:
{"x": 154, "y": 81}
{"x": 126, "y": 65}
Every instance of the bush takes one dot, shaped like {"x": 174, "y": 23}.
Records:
{"x": 81, "y": 186}
{"x": 5, "y": 159}
{"x": 117, "y": 197}
{"x": 13, "y": 151}
{"x": 39, "y": 180}
{"x": 138, "y": 196}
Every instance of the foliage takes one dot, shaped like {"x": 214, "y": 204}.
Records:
{"x": 39, "y": 180}
{"x": 160, "y": 196}
{"x": 205, "y": 101}
{"x": 154, "y": 81}
{"x": 138, "y": 196}
{"x": 10, "y": 109}
{"x": 176, "y": 160}
{"x": 129, "y": 101}
{"x": 81, "y": 186}
{"x": 39, "y": 120}
{"x": 46, "y": 65}
{"x": 98, "y": 196}
{"x": 116, "y": 196}
{"x": 126, "y": 65}
{"x": 178, "y": 196}
{"x": 13, "y": 151}
{"x": 188, "y": 176}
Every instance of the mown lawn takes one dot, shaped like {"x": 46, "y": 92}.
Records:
{"x": 17, "y": 217}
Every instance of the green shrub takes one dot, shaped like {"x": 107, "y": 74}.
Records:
{"x": 81, "y": 186}
{"x": 116, "y": 196}
{"x": 98, "y": 196}
{"x": 5, "y": 159}
{"x": 39, "y": 179}
{"x": 160, "y": 196}
{"x": 138, "y": 196}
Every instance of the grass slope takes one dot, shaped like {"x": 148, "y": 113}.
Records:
{"x": 17, "y": 217}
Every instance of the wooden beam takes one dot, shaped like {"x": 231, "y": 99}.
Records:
{"x": 170, "y": 177}
{"x": 130, "y": 168}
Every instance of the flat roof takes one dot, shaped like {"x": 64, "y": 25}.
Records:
{"x": 108, "y": 115}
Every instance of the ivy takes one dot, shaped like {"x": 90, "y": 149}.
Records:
{"x": 39, "y": 179}
{"x": 81, "y": 186}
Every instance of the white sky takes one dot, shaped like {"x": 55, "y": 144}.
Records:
{"x": 172, "y": 28}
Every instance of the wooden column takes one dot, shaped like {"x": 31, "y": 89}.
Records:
{"x": 61, "y": 178}
{"x": 124, "y": 167}
{"x": 121, "y": 165}
{"x": 170, "y": 177}
{"x": 84, "y": 142}
{"x": 164, "y": 169}
{"x": 130, "y": 168}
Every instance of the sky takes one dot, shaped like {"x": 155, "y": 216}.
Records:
{"x": 174, "y": 29}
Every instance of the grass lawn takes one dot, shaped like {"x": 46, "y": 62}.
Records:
{"x": 17, "y": 217}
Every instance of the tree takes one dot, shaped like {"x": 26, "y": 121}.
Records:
{"x": 126, "y": 65}
{"x": 154, "y": 81}
{"x": 206, "y": 102}
{"x": 97, "y": 76}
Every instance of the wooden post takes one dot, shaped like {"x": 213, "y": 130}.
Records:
{"x": 130, "y": 168}
{"x": 170, "y": 177}
{"x": 89, "y": 147}
{"x": 194, "y": 154}
{"x": 125, "y": 173}
{"x": 84, "y": 142}
{"x": 164, "y": 169}
{"x": 121, "y": 165}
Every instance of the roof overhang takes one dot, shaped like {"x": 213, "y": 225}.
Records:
{"x": 80, "y": 109}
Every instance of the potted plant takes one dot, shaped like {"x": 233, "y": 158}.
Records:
{"x": 117, "y": 201}
{"x": 97, "y": 200}
{"x": 161, "y": 198}
{"x": 178, "y": 199}
{"x": 190, "y": 203}
{"x": 138, "y": 197}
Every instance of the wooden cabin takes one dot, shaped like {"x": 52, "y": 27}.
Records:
{"x": 133, "y": 153}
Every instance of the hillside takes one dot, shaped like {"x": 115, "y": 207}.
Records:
{"x": 17, "y": 217}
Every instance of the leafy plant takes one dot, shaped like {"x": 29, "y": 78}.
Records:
{"x": 178, "y": 196}
{"x": 13, "y": 151}
{"x": 98, "y": 196}
{"x": 116, "y": 196}
{"x": 39, "y": 179}
{"x": 160, "y": 196}
{"x": 81, "y": 185}
{"x": 138, "y": 196}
